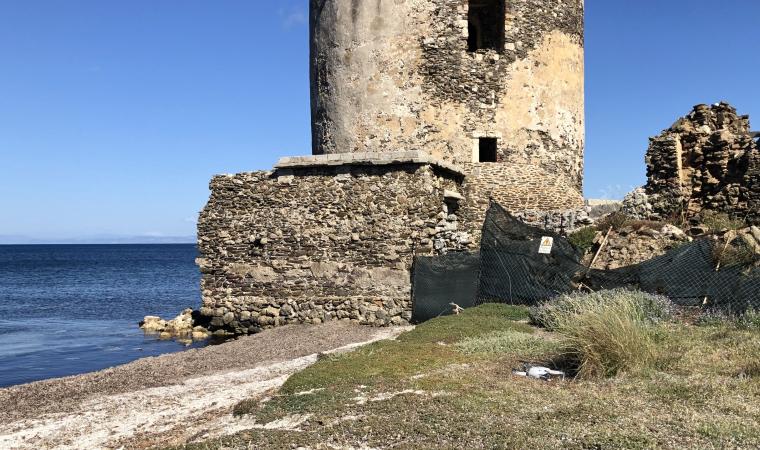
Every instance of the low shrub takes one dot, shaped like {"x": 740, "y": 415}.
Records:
{"x": 605, "y": 333}
{"x": 649, "y": 308}
{"x": 678, "y": 218}
{"x": 616, "y": 221}
{"x": 718, "y": 221}
{"x": 734, "y": 255}
{"x": 748, "y": 320}
{"x": 583, "y": 239}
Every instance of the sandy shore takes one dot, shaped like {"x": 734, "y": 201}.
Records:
{"x": 169, "y": 399}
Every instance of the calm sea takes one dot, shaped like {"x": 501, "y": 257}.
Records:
{"x": 71, "y": 309}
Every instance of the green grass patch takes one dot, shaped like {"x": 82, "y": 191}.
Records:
{"x": 749, "y": 320}
{"x": 428, "y": 347}
{"x": 639, "y": 306}
{"x": 472, "y": 322}
{"x": 510, "y": 342}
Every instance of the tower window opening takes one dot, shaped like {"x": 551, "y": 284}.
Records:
{"x": 488, "y": 150}
{"x": 486, "y": 21}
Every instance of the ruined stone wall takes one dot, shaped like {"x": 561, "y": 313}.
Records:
{"x": 707, "y": 160}
{"x": 527, "y": 191}
{"x": 317, "y": 243}
{"x": 398, "y": 75}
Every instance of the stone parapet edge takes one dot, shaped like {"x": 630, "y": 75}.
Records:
{"x": 371, "y": 159}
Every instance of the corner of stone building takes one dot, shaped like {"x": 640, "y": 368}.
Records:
{"x": 323, "y": 242}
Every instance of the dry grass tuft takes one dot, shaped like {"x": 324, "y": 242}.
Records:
{"x": 718, "y": 221}
{"x": 605, "y": 333}
{"x": 615, "y": 220}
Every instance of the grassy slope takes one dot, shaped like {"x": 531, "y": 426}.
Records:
{"x": 707, "y": 395}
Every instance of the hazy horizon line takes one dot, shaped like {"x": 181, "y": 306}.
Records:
{"x": 97, "y": 240}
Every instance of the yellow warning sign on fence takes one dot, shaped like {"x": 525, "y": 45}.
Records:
{"x": 546, "y": 245}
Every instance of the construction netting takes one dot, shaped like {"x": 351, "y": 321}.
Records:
{"x": 520, "y": 264}
{"x": 440, "y": 281}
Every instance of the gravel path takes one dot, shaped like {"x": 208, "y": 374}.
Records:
{"x": 167, "y": 399}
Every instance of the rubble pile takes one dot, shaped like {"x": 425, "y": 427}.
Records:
{"x": 634, "y": 244}
{"x": 636, "y": 204}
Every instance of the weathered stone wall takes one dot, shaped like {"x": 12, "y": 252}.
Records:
{"x": 314, "y": 243}
{"x": 398, "y": 75}
{"x": 563, "y": 221}
{"x": 527, "y": 191}
{"x": 707, "y": 160}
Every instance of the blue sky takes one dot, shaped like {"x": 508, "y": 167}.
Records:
{"x": 114, "y": 115}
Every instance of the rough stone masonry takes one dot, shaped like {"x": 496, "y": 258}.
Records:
{"x": 409, "y": 75}
{"x": 708, "y": 160}
{"x": 313, "y": 242}
{"x": 423, "y": 112}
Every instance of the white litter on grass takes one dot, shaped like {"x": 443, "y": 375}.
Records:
{"x": 540, "y": 373}
{"x": 199, "y": 406}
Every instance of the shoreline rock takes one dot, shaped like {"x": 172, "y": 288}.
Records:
{"x": 188, "y": 326}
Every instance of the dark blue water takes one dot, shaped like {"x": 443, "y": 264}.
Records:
{"x": 70, "y": 309}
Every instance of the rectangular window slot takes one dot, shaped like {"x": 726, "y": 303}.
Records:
{"x": 486, "y": 20}
{"x": 488, "y": 150}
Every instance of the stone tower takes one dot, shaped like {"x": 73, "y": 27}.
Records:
{"x": 423, "y": 112}
{"x": 471, "y": 82}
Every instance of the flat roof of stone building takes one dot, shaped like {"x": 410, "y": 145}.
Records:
{"x": 366, "y": 159}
